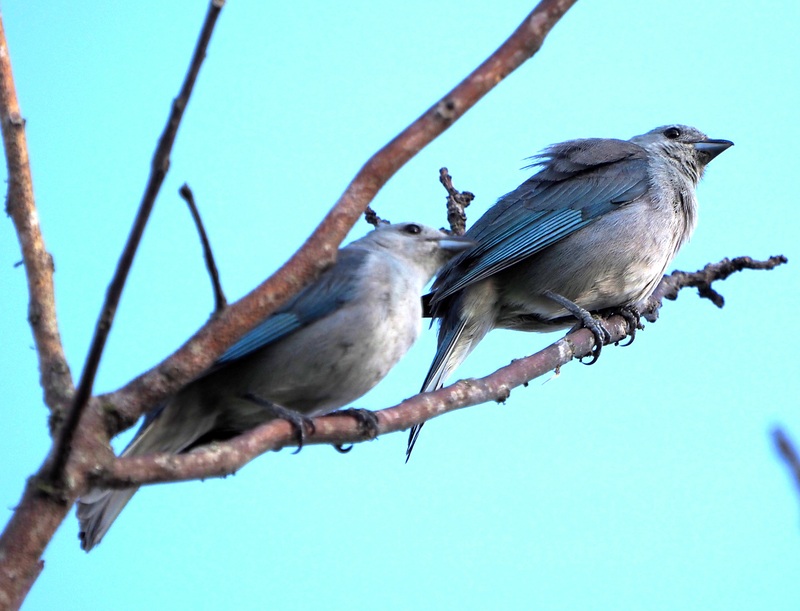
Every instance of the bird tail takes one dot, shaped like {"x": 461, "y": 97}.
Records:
{"x": 97, "y": 511}
{"x": 457, "y": 338}
{"x": 163, "y": 430}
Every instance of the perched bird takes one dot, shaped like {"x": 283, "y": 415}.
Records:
{"x": 594, "y": 228}
{"x": 326, "y": 347}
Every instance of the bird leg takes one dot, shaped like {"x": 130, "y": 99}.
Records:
{"x": 585, "y": 320}
{"x": 298, "y": 421}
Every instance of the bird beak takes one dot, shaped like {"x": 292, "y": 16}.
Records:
{"x": 712, "y": 148}
{"x": 456, "y": 243}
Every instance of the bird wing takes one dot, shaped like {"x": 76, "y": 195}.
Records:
{"x": 579, "y": 182}
{"x": 333, "y": 289}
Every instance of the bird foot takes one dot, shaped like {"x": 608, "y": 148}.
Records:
{"x": 367, "y": 425}
{"x": 585, "y": 321}
{"x": 633, "y": 317}
{"x": 302, "y": 425}
{"x": 367, "y": 420}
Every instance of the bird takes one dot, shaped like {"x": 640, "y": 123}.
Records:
{"x": 593, "y": 229}
{"x": 326, "y": 347}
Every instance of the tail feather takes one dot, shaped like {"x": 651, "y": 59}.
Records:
{"x": 165, "y": 429}
{"x": 454, "y": 346}
{"x": 97, "y": 511}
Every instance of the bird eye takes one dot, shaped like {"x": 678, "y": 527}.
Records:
{"x": 672, "y": 133}
{"x": 412, "y": 229}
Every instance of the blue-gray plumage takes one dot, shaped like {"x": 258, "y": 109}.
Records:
{"x": 326, "y": 347}
{"x": 594, "y": 228}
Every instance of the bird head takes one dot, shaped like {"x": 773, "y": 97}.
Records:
{"x": 686, "y": 146}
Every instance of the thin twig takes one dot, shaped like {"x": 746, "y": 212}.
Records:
{"x": 223, "y": 458}
{"x": 127, "y": 403}
{"x": 160, "y": 165}
{"x": 457, "y": 201}
{"x": 219, "y": 296}
{"x": 373, "y": 219}
{"x": 702, "y": 279}
{"x": 788, "y": 452}
{"x": 56, "y": 380}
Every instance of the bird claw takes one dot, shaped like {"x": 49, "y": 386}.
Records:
{"x": 367, "y": 423}
{"x": 299, "y": 423}
{"x": 601, "y": 335}
{"x": 633, "y": 317}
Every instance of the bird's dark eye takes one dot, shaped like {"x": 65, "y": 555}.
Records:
{"x": 672, "y": 133}
{"x": 412, "y": 229}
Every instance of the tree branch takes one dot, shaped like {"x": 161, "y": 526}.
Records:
{"x": 702, "y": 279}
{"x": 159, "y": 167}
{"x": 224, "y": 458}
{"x": 55, "y": 377}
{"x": 125, "y": 405}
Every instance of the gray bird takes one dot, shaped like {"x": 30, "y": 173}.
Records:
{"x": 326, "y": 347}
{"x": 594, "y": 228}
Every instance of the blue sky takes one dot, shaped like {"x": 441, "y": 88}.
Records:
{"x": 644, "y": 482}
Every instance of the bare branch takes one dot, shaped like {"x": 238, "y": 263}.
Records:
{"x": 225, "y": 458}
{"x": 670, "y": 285}
{"x": 55, "y": 376}
{"x": 127, "y": 404}
{"x": 219, "y": 296}
{"x": 457, "y": 201}
{"x": 159, "y": 167}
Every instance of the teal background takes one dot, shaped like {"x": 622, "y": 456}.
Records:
{"x": 647, "y": 481}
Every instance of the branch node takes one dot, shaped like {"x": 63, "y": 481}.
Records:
{"x": 705, "y": 291}
{"x": 446, "y": 110}
{"x": 16, "y": 119}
